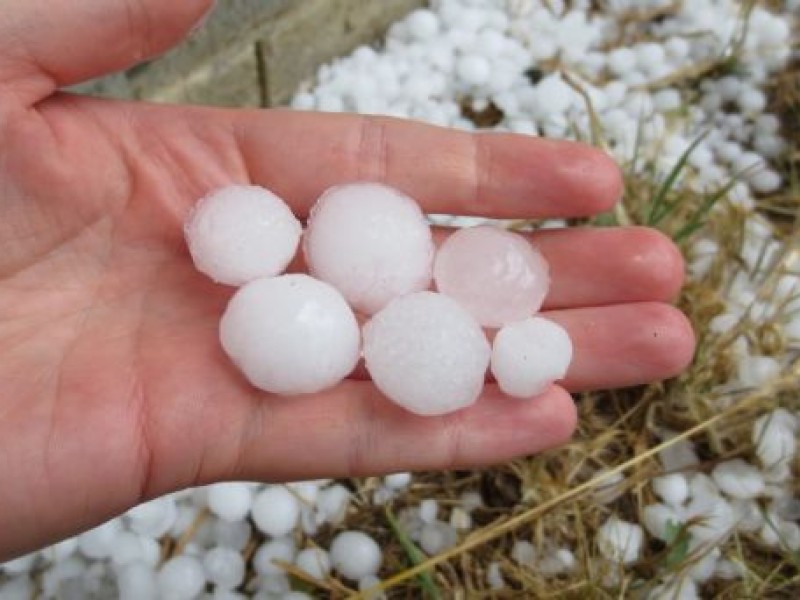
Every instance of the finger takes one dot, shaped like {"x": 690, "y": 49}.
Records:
{"x": 45, "y": 44}
{"x": 625, "y": 345}
{"x": 447, "y": 171}
{"x": 358, "y": 432}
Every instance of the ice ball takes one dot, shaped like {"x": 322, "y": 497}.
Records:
{"x": 529, "y": 355}
{"x": 240, "y": 233}
{"x": 355, "y": 555}
{"x": 290, "y": 334}
{"x": 426, "y": 353}
{"x": 493, "y": 273}
{"x": 181, "y": 578}
{"x": 371, "y": 242}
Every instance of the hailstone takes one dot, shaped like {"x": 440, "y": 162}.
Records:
{"x": 371, "y": 242}
{"x": 529, "y": 355}
{"x": 240, "y": 233}
{"x": 426, "y": 353}
{"x": 290, "y": 334}
{"x": 493, "y": 273}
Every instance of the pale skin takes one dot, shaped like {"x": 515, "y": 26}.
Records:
{"x": 113, "y": 387}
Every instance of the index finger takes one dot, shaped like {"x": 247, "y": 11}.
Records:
{"x": 299, "y": 154}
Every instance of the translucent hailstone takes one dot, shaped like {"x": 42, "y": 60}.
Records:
{"x": 290, "y": 334}
{"x": 620, "y": 541}
{"x": 230, "y": 501}
{"x": 495, "y": 274}
{"x": 739, "y": 479}
{"x": 181, "y": 578}
{"x": 530, "y": 355}
{"x": 672, "y": 488}
{"x": 426, "y": 353}
{"x": 523, "y": 553}
{"x": 315, "y": 562}
{"x": 371, "y": 242}
{"x": 436, "y": 537}
{"x": 355, "y": 555}
{"x": 224, "y": 567}
{"x": 240, "y": 233}
{"x": 276, "y": 511}
{"x": 332, "y": 503}
{"x": 281, "y": 549}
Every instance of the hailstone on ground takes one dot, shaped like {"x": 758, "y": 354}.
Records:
{"x": 371, "y": 242}
{"x": 427, "y": 354}
{"x": 240, "y": 233}
{"x": 529, "y": 355}
{"x": 493, "y": 273}
{"x": 290, "y": 334}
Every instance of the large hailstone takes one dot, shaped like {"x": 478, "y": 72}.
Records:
{"x": 240, "y": 233}
{"x": 493, "y": 273}
{"x": 529, "y": 355}
{"x": 290, "y": 334}
{"x": 426, "y": 354}
{"x": 371, "y": 242}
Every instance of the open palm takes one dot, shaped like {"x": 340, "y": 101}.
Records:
{"x": 113, "y": 387}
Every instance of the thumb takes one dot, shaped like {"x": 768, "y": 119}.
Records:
{"x": 46, "y": 44}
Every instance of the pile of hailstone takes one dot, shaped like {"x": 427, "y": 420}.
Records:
{"x": 370, "y": 249}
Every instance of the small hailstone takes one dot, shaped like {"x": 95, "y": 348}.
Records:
{"x": 98, "y": 543}
{"x": 181, "y": 578}
{"x": 620, "y": 541}
{"x": 493, "y": 273}
{"x": 528, "y": 356}
{"x": 371, "y": 242}
{"x": 230, "y": 501}
{"x": 755, "y": 371}
{"x": 423, "y": 24}
{"x": 704, "y": 564}
{"x": 471, "y": 501}
{"x": 752, "y": 101}
{"x": 672, "y": 488}
{"x": 20, "y": 565}
{"x": 130, "y": 547}
{"x": 290, "y": 334}
{"x": 473, "y": 69}
{"x": 280, "y": 549}
{"x": 427, "y": 354}
{"x": 738, "y": 479}
{"x": 306, "y": 491}
{"x": 460, "y": 519}
{"x": 241, "y": 233}
{"x": 436, "y": 537}
{"x": 557, "y": 563}
{"x": 766, "y": 181}
{"x": 275, "y": 511}
{"x": 315, "y": 562}
{"x": 428, "y": 509}
{"x": 355, "y": 555}
{"x": 657, "y": 519}
{"x": 397, "y": 481}
{"x": 774, "y": 437}
{"x": 494, "y": 576}
{"x": 136, "y": 581}
{"x": 224, "y": 567}
{"x": 523, "y": 553}
{"x": 154, "y": 518}
{"x": 332, "y": 503}
{"x": 61, "y": 551}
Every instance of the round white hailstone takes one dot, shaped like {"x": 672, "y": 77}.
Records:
{"x": 305, "y": 491}
{"x": 553, "y": 97}
{"x": 130, "y": 547}
{"x": 460, "y": 519}
{"x": 528, "y": 356}
{"x": 774, "y": 437}
{"x": 729, "y": 88}
{"x": 136, "y": 581}
{"x": 315, "y": 562}
{"x": 650, "y": 56}
{"x": 769, "y": 146}
{"x": 620, "y": 541}
{"x": 495, "y": 274}
{"x": 275, "y": 511}
{"x": 371, "y": 242}
{"x": 473, "y": 69}
{"x": 20, "y": 565}
{"x": 423, "y": 24}
{"x": 658, "y": 519}
{"x": 181, "y": 578}
{"x": 677, "y": 47}
{"x": 270, "y": 586}
{"x": 154, "y": 518}
{"x": 739, "y": 479}
{"x": 230, "y": 501}
{"x": 428, "y": 510}
{"x": 729, "y": 152}
{"x": 437, "y": 537}
{"x": 523, "y": 553}
{"x": 748, "y": 164}
{"x": 397, "y": 481}
{"x": 240, "y": 233}
{"x": 672, "y": 488}
{"x": 332, "y": 503}
{"x": 368, "y": 583}
{"x": 668, "y": 100}
{"x": 61, "y": 551}
{"x": 427, "y": 354}
{"x": 768, "y": 124}
{"x": 494, "y": 576}
{"x": 224, "y": 567}
{"x": 290, "y": 334}
{"x": 355, "y": 555}
{"x": 752, "y": 101}
{"x": 765, "y": 182}
{"x": 755, "y": 371}
{"x": 722, "y": 324}
{"x": 280, "y": 549}
{"x": 621, "y": 61}
{"x": 98, "y": 543}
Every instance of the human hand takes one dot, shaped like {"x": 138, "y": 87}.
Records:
{"x": 113, "y": 386}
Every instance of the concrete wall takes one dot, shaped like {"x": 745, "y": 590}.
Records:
{"x": 256, "y": 52}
